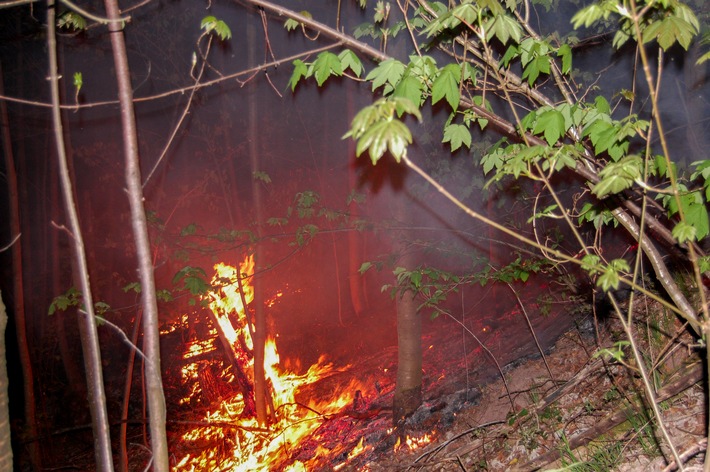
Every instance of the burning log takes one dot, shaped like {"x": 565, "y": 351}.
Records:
{"x": 245, "y": 385}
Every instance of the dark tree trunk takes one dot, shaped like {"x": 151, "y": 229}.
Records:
{"x": 18, "y": 294}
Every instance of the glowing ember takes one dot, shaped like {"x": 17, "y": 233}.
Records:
{"x": 229, "y": 437}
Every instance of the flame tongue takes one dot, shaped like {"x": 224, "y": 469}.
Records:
{"x": 231, "y": 439}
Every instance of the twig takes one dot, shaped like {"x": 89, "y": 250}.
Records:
{"x": 439, "y": 447}
{"x": 488, "y": 351}
{"x": 9, "y": 245}
{"x": 696, "y": 448}
{"x": 532, "y": 331}
{"x": 122, "y": 334}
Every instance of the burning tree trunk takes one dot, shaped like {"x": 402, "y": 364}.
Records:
{"x": 151, "y": 336}
{"x": 244, "y": 385}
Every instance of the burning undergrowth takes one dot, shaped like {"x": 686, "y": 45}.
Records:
{"x": 323, "y": 417}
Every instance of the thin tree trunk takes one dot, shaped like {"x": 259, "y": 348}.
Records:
{"x": 18, "y": 288}
{"x": 408, "y": 391}
{"x": 259, "y": 338}
{"x": 5, "y": 442}
{"x": 92, "y": 352}
{"x": 151, "y": 333}
{"x": 355, "y": 246}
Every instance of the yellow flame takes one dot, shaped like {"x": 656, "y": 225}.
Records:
{"x": 256, "y": 447}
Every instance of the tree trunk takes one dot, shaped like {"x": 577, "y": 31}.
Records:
{"x": 92, "y": 352}
{"x": 5, "y": 442}
{"x": 408, "y": 391}
{"x": 259, "y": 335}
{"x": 19, "y": 300}
{"x": 355, "y": 245}
{"x": 151, "y": 333}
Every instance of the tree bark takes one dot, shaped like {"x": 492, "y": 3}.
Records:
{"x": 5, "y": 442}
{"x": 151, "y": 333}
{"x": 408, "y": 391}
{"x": 18, "y": 291}
{"x": 259, "y": 335}
{"x": 355, "y": 243}
{"x": 91, "y": 349}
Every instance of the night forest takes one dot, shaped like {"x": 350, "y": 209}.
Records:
{"x": 354, "y": 235}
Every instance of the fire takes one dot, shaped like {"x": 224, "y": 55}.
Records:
{"x": 229, "y": 437}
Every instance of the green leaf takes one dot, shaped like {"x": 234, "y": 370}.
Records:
{"x": 683, "y": 232}
{"x": 609, "y": 279}
{"x": 300, "y": 69}
{"x": 565, "y": 52}
{"x": 590, "y": 263}
{"x": 261, "y": 176}
{"x": 365, "y": 267}
{"x": 447, "y": 85}
{"x": 189, "y": 230}
{"x": 78, "y": 81}
{"x": 504, "y": 28}
{"x": 132, "y": 287}
{"x": 290, "y": 24}
{"x": 589, "y": 15}
{"x": 71, "y": 20}
{"x": 602, "y": 105}
{"x": 410, "y": 88}
{"x": 457, "y": 134}
{"x": 164, "y": 295}
{"x": 552, "y": 124}
{"x": 101, "y": 308}
{"x": 389, "y": 71}
{"x": 618, "y": 176}
{"x": 211, "y": 23}
{"x": 670, "y": 30}
{"x": 325, "y": 65}
{"x": 349, "y": 60}
{"x": 392, "y": 135}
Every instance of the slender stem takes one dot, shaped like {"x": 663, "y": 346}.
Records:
{"x": 92, "y": 351}
{"x": 151, "y": 334}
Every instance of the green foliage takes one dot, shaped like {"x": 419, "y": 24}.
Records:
{"x": 71, "y": 297}
{"x": 617, "y": 352}
{"x": 78, "y": 81}
{"x": 71, "y": 20}
{"x": 598, "y": 217}
{"x": 290, "y": 24}
{"x": 457, "y": 135}
{"x": 324, "y": 67}
{"x": 193, "y": 279}
{"x": 211, "y": 23}
{"x": 377, "y": 130}
{"x": 132, "y": 287}
{"x": 447, "y": 85}
{"x": 618, "y": 176}
{"x": 667, "y": 22}
{"x": 261, "y": 176}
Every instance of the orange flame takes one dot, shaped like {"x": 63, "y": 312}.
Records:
{"x": 255, "y": 447}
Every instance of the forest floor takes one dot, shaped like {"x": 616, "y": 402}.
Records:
{"x": 568, "y": 410}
